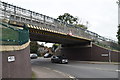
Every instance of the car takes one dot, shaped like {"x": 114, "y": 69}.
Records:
{"x": 33, "y": 56}
{"x": 59, "y": 59}
{"x": 48, "y": 55}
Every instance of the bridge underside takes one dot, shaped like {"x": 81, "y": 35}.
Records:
{"x": 45, "y": 36}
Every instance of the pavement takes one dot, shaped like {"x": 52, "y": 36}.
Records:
{"x": 96, "y": 62}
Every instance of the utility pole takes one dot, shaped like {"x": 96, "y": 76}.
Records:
{"x": 109, "y": 53}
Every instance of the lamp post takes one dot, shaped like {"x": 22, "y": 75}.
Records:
{"x": 109, "y": 55}
{"x": 109, "y": 52}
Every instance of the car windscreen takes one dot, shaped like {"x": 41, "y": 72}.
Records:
{"x": 46, "y": 54}
{"x": 62, "y": 57}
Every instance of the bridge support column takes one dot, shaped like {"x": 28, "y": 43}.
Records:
{"x": 15, "y": 64}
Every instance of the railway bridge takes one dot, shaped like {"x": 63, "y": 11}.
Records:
{"x": 19, "y": 26}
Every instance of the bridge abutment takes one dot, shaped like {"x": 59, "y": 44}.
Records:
{"x": 99, "y": 53}
{"x": 93, "y": 53}
{"x": 80, "y": 53}
{"x": 15, "y": 64}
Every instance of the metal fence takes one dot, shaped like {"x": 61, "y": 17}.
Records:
{"x": 18, "y": 14}
{"x": 11, "y": 35}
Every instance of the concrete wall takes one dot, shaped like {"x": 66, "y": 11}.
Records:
{"x": 93, "y": 53}
{"x": 115, "y": 56}
{"x": 20, "y": 68}
{"x": 97, "y": 52}
{"x": 0, "y": 65}
{"x": 81, "y": 54}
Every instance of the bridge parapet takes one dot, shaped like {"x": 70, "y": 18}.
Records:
{"x": 13, "y": 13}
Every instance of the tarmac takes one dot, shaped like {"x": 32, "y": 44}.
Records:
{"x": 44, "y": 72}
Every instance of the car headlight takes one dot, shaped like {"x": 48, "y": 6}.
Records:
{"x": 63, "y": 60}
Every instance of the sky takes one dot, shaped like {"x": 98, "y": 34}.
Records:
{"x": 102, "y": 15}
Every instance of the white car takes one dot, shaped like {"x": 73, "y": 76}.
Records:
{"x": 33, "y": 56}
{"x": 47, "y": 55}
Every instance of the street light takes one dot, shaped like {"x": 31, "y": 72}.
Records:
{"x": 109, "y": 52}
{"x": 109, "y": 55}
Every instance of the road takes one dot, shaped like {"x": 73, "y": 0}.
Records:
{"x": 80, "y": 70}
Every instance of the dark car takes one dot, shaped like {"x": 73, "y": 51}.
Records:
{"x": 48, "y": 55}
{"x": 59, "y": 59}
{"x": 33, "y": 56}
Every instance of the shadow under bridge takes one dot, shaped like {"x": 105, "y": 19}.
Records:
{"x": 45, "y": 35}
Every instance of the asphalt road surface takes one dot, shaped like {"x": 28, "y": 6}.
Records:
{"x": 79, "y": 69}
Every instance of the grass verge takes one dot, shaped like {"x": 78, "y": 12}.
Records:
{"x": 33, "y": 76}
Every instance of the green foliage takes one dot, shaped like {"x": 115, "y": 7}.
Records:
{"x": 55, "y": 46}
{"x": 33, "y": 47}
{"x": 67, "y": 18}
{"x": 118, "y": 34}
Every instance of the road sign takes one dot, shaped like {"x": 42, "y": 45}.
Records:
{"x": 11, "y": 58}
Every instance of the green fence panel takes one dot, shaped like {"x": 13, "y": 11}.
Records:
{"x": 12, "y": 35}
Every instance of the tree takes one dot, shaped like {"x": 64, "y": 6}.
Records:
{"x": 118, "y": 34}
{"x": 67, "y": 18}
{"x": 33, "y": 47}
{"x": 118, "y": 2}
{"x": 55, "y": 46}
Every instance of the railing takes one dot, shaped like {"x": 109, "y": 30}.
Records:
{"x": 14, "y": 13}
{"x": 11, "y": 35}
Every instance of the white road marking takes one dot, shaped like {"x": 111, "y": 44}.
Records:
{"x": 71, "y": 77}
{"x": 118, "y": 70}
{"x": 65, "y": 74}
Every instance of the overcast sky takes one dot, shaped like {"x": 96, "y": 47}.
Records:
{"x": 102, "y": 15}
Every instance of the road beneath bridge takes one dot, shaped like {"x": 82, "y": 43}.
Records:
{"x": 80, "y": 70}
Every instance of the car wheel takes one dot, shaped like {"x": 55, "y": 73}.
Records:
{"x": 60, "y": 62}
{"x": 66, "y": 62}
{"x": 52, "y": 61}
